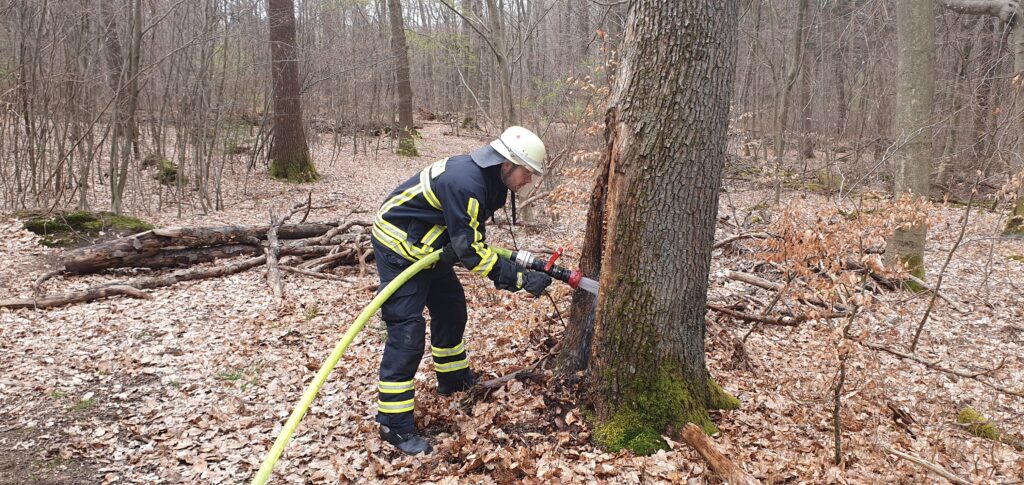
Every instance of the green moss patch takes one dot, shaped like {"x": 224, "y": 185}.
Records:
{"x": 407, "y": 148}
{"x": 659, "y": 406}
{"x": 167, "y": 174}
{"x": 1015, "y": 226}
{"x": 298, "y": 171}
{"x": 1017, "y": 257}
{"x": 980, "y": 426}
{"x": 63, "y": 229}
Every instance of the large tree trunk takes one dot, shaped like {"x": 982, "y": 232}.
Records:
{"x": 667, "y": 123}
{"x": 915, "y": 89}
{"x": 406, "y": 144}
{"x": 289, "y": 153}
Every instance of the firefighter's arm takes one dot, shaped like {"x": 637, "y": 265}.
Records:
{"x": 462, "y": 213}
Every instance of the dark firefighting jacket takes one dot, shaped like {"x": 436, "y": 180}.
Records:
{"x": 448, "y": 202}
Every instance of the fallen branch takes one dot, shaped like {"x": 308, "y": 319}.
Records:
{"x": 77, "y": 297}
{"x": 695, "y": 437}
{"x": 143, "y": 283}
{"x": 940, "y": 368}
{"x": 936, "y": 469}
{"x": 313, "y": 274}
{"x": 740, "y": 237}
{"x": 929, "y": 289}
{"x": 771, "y": 285}
{"x": 783, "y": 321}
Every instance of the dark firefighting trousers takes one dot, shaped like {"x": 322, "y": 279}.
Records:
{"x": 439, "y": 290}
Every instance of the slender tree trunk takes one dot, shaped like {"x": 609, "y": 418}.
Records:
{"x": 806, "y": 142}
{"x": 915, "y": 90}
{"x": 495, "y": 16}
{"x": 406, "y": 143}
{"x": 667, "y": 126}
{"x": 951, "y": 151}
{"x": 289, "y": 153}
{"x": 782, "y": 108}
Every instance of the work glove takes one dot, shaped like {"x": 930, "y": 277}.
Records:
{"x": 448, "y": 256}
{"x": 534, "y": 282}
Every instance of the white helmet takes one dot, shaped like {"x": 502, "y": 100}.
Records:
{"x": 521, "y": 147}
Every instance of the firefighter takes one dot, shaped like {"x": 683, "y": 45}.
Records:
{"x": 443, "y": 208}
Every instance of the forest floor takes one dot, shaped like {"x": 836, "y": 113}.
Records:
{"x": 193, "y": 385}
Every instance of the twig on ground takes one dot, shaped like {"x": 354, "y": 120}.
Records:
{"x": 38, "y": 283}
{"x": 740, "y": 237}
{"x": 936, "y": 469}
{"x": 940, "y": 368}
{"x": 77, "y": 297}
{"x": 313, "y": 274}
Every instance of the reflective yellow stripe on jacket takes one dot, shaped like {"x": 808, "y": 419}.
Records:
{"x": 396, "y": 239}
{"x": 487, "y": 256}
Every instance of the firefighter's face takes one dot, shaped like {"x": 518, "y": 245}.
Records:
{"x": 514, "y": 176}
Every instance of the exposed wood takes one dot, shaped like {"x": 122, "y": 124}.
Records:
{"x": 881, "y": 280}
{"x": 754, "y": 280}
{"x": 733, "y": 474}
{"x": 272, "y": 251}
{"x": 936, "y": 469}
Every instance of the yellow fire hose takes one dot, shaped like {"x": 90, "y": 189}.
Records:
{"x": 321, "y": 376}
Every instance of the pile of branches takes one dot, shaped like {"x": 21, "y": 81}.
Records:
{"x": 312, "y": 249}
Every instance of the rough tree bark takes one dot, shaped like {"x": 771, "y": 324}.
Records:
{"x": 915, "y": 90}
{"x": 289, "y": 154}
{"x": 667, "y": 122}
{"x": 399, "y": 49}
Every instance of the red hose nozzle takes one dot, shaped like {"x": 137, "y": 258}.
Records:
{"x": 554, "y": 257}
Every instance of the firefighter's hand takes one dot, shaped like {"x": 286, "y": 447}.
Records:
{"x": 534, "y": 282}
{"x": 448, "y": 256}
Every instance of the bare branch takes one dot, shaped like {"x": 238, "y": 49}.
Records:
{"x": 1004, "y": 9}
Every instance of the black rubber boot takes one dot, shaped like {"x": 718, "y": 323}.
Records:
{"x": 410, "y": 443}
{"x": 449, "y": 386}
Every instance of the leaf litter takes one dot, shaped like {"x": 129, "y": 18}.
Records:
{"x": 194, "y": 385}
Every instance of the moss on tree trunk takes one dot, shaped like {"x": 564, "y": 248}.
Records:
{"x": 299, "y": 169}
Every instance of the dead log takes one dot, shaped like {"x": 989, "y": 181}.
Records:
{"x": 182, "y": 258}
{"x": 142, "y": 283}
{"x": 76, "y": 297}
{"x": 126, "y": 251}
{"x": 695, "y": 437}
